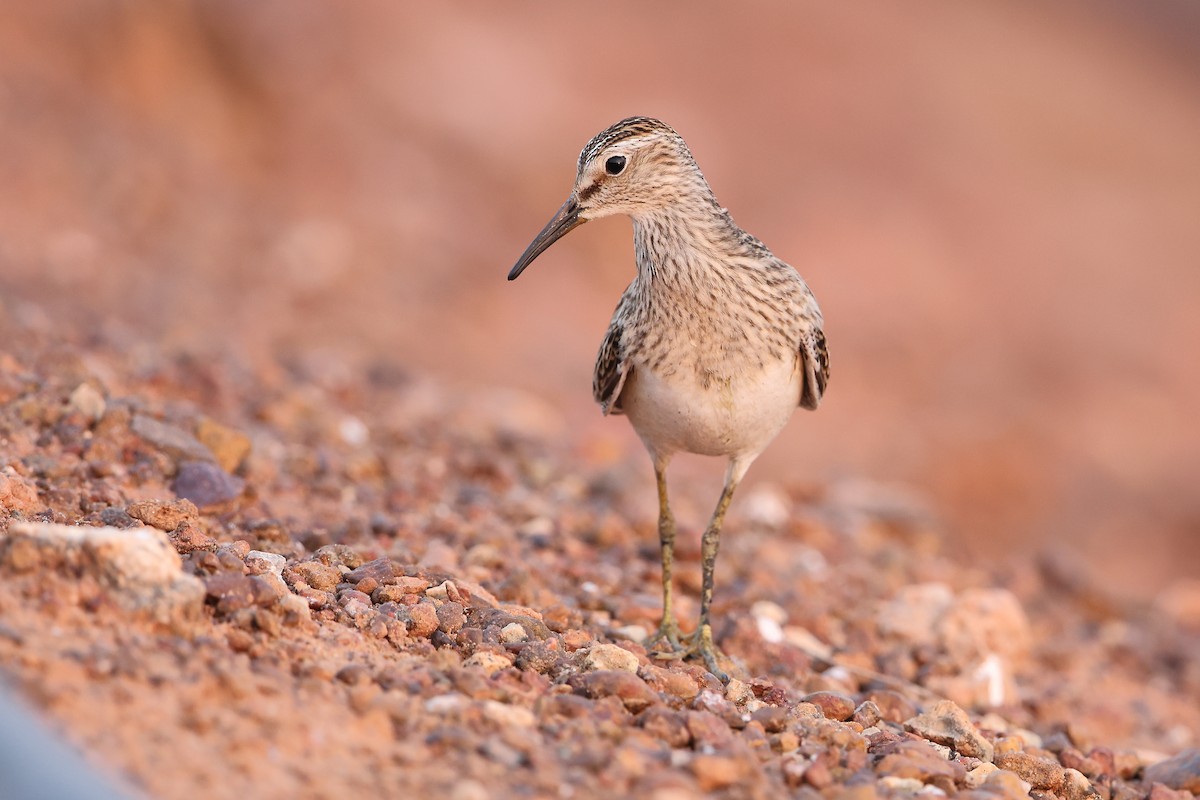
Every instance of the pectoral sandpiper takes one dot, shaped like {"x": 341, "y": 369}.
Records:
{"x": 713, "y": 344}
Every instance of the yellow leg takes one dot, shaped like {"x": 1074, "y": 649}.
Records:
{"x": 703, "y": 642}
{"x": 668, "y": 629}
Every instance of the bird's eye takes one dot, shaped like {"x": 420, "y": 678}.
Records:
{"x": 615, "y": 165}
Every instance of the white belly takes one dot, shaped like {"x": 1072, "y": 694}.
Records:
{"x": 736, "y": 417}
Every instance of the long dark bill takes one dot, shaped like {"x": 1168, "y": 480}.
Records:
{"x": 566, "y": 220}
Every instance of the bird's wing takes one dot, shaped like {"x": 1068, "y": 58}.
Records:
{"x": 814, "y": 360}
{"x": 611, "y": 367}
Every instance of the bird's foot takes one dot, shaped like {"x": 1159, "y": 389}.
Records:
{"x": 667, "y": 643}
{"x": 701, "y": 644}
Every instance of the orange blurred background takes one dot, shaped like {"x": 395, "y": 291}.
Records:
{"x": 998, "y": 206}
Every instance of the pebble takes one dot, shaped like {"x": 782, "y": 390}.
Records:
{"x": 902, "y": 785}
{"x": 508, "y": 715}
{"x": 1159, "y": 791}
{"x": 451, "y": 617}
{"x": 387, "y": 594}
{"x": 513, "y": 632}
{"x": 166, "y": 515}
{"x": 18, "y": 494}
{"x": 867, "y": 714}
{"x": 627, "y": 687}
{"x": 918, "y": 760}
{"x": 177, "y": 443}
{"x": 121, "y": 557}
{"x": 914, "y": 612}
{"x": 258, "y": 562}
{"x": 671, "y": 682}
{"x": 1038, "y": 772}
{"x": 380, "y": 569}
{"x": 610, "y": 656}
{"x": 976, "y": 777}
{"x": 230, "y": 592}
{"x": 714, "y": 772}
{"x": 206, "y": 484}
{"x": 666, "y": 724}
{"x": 488, "y": 661}
{"x": 540, "y": 656}
{"x": 316, "y": 574}
{"x": 269, "y": 588}
{"x": 716, "y": 704}
{"x": 422, "y": 620}
{"x": 773, "y": 719}
{"x": 1007, "y": 785}
{"x": 228, "y": 446}
{"x": 946, "y": 723}
{"x": 409, "y": 585}
{"x": 834, "y": 705}
{"x": 1178, "y": 772}
{"x": 88, "y": 401}
{"x": 1076, "y": 786}
{"x": 893, "y": 706}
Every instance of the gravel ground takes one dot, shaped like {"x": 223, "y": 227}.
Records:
{"x": 318, "y": 583}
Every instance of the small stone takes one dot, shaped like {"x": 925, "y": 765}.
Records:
{"x": 976, "y": 777}
{"x": 738, "y": 692}
{"x": 919, "y": 760}
{"x": 380, "y": 569}
{"x": 708, "y": 730}
{"x": 508, "y": 715}
{"x": 451, "y": 617}
{"x": 774, "y": 719}
{"x": 423, "y": 620}
{"x": 716, "y": 704}
{"x": 206, "y": 484}
{"x": 1038, "y": 772}
{"x": 229, "y": 591}
{"x": 408, "y": 585}
{"x": 316, "y": 574}
{"x": 818, "y": 774}
{"x": 834, "y": 705}
{"x": 610, "y": 656}
{"x": 488, "y": 661}
{"x": 387, "y": 594}
{"x": 902, "y": 785}
{"x": 1007, "y": 785}
{"x": 513, "y": 632}
{"x": 867, "y": 714}
{"x": 1076, "y": 786}
{"x": 634, "y": 633}
{"x": 1159, "y": 791}
{"x": 228, "y": 446}
{"x": 88, "y": 401}
{"x": 948, "y": 724}
{"x": 353, "y": 675}
{"x": 166, "y": 515}
{"x": 627, "y": 687}
{"x": 18, "y": 494}
{"x": 539, "y": 656}
{"x": 667, "y": 725}
{"x": 715, "y": 772}
{"x": 258, "y": 562}
{"x": 1178, "y": 772}
{"x": 269, "y": 588}
{"x": 180, "y": 445}
{"x": 893, "y": 706}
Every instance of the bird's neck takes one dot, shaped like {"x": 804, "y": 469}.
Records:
{"x": 678, "y": 247}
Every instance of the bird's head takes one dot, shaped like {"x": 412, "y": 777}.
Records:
{"x": 635, "y": 167}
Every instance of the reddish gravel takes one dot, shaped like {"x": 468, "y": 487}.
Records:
{"x": 413, "y": 589}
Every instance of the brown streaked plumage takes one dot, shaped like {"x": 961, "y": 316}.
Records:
{"x": 713, "y": 345}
